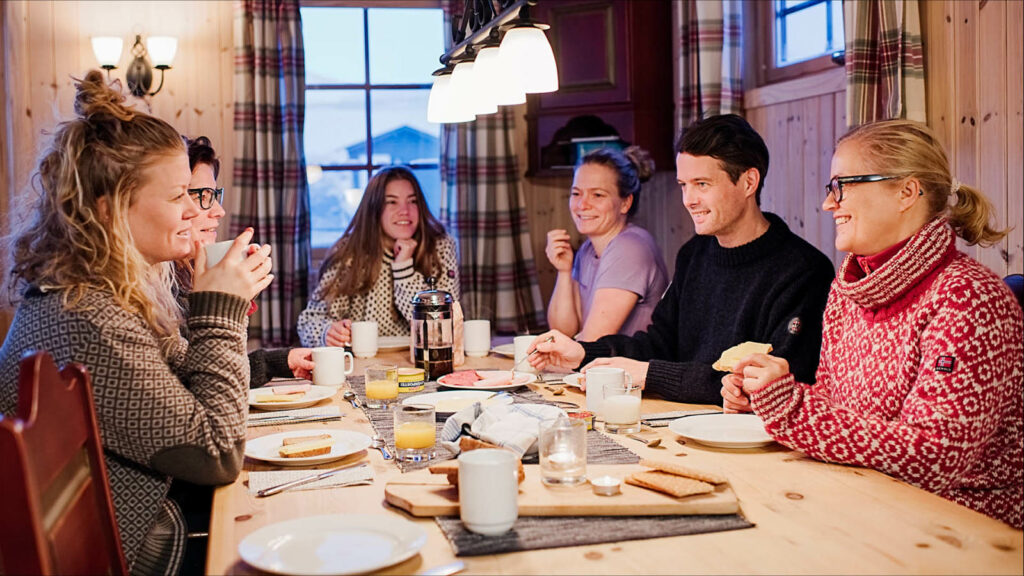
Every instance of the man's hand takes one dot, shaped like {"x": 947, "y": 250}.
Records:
{"x": 300, "y": 362}
{"x": 636, "y": 369}
{"x": 561, "y": 351}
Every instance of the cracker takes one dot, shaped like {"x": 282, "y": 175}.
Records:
{"x": 731, "y": 357}
{"x": 680, "y": 470}
{"x": 670, "y": 484}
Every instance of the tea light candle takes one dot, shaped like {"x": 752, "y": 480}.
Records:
{"x": 621, "y": 409}
{"x": 606, "y": 485}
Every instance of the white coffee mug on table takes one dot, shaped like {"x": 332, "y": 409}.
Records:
{"x": 488, "y": 490}
{"x": 520, "y": 344}
{"x": 477, "y": 337}
{"x": 329, "y": 365}
{"x": 597, "y": 378}
{"x": 364, "y": 339}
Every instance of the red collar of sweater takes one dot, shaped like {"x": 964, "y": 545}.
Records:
{"x": 910, "y": 269}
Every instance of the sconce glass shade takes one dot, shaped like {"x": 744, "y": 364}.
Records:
{"x": 161, "y": 50}
{"x": 466, "y": 91}
{"x": 527, "y": 51}
{"x": 441, "y": 106}
{"x": 107, "y": 50}
{"x": 502, "y": 86}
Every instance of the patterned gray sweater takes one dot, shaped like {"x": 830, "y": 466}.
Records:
{"x": 182, "y": 417}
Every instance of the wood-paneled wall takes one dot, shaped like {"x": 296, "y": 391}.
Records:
{"x": 973, "y": 60}
{"x": 47, "y": 42}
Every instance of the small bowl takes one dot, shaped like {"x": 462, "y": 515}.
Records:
{"x": 606, "y": 485}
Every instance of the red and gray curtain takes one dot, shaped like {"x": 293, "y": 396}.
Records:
{"x": 884, "y": 61}
{"x": 269, "y": 169}
{"x": 709, "y": 65}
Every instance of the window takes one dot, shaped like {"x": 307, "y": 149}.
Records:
{"x": 799, "y": 37}
{"x": 368, "y": 77}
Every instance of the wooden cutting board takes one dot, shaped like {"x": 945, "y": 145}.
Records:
{"x": 424, "y": 494}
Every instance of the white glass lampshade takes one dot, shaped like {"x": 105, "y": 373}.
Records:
{"x": 441, "y": 105}
{"x": 107, "y": 50}
{"x": 161, "y": 49}
{"x": 527, "y": 51}
{"x": 502, "y": 85}
{"x": 468, "y": 90}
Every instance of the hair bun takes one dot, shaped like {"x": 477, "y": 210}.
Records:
{"x": 95, "y": 96}
{"x": 642, "y": 160}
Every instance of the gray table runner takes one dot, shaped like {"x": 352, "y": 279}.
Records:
{"x": 538, "y": 532}
{"x": 600, "y": 449}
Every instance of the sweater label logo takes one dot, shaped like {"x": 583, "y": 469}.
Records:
{"x": 795, "y": 326}
{"x": 945, "y": 364}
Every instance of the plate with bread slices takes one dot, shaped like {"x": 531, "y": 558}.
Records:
{"x": 306, "y": 447}
{"x": 486, "y": 379}
{"x": 289, "y": 396}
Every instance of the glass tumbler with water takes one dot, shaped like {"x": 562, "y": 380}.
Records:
{"x": 563, "y": 451}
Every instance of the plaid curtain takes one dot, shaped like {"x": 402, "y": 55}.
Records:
{"x": 709, "y": 68}
{"x": 486, "y": 211}
{"x": 269, "y": 170}
{"x": 884, "y": 61}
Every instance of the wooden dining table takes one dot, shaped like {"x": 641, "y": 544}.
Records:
{"x": 810, "y": 517}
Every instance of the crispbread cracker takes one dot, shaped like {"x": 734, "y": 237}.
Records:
{"x": 680, "y": 470}
{"x": 669, "y": 483}
{"x": 731, "y": 357}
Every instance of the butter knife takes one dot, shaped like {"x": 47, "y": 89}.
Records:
{"x": 444, "y": 569}
{"x": 299, "y": 482}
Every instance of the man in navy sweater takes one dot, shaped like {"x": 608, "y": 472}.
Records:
{"x": 744, "y": 277}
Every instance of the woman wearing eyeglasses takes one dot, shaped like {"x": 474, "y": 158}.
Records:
{"x": 922, "y": 359}
{"x": 202, "y": 159}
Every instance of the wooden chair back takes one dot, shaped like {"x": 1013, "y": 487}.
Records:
{"x": 58, "y": 515}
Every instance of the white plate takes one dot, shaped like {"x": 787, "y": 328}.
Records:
{"x": 519, "y": 379}
{"x": 572, "y": 379}
{"x": 346, "y": 442}
{"x": 451, "y": 401}
{"x": 315, "y": 394}
{"x": 392, "y": 343}
{"x": 333, "y": 544}
{"x": 506, "y": 350}
{"x": 723, "y": 430}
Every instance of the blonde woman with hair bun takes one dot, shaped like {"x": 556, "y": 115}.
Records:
{"x": 92, "y": 274}
{"x": 613, "y": 282}
{"x": 921, "y": 373}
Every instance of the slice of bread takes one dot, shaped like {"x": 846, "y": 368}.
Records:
{"x": 680, "y": 470}
{"x": 670, "y": 484}
{"x": 450, "y": 468}
{"x": 306, "y": 449}
{"x": 301, "y": 439}
{"x": 268, "y": 398}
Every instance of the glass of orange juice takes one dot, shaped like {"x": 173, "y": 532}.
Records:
{"x": 415, "y": 432}
{"x": 381, "y": 385}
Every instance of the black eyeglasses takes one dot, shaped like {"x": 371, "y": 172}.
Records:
{"x": 835, "y": 186}
{"x": 206, "y": 196}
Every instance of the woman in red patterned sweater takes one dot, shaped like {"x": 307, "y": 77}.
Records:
{"x": 922, "y": 358}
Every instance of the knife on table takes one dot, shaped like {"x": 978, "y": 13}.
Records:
{"x": 299, "y": 482}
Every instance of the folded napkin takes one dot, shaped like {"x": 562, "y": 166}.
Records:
{"x": 268, "y": 479}
{"x": 512, "y": 426}
{"x": 293, "y": 416}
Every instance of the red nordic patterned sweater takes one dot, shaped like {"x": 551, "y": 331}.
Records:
{"x": 921, "y": 377}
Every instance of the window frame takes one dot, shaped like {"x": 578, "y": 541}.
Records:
{"x": 767, "y": 71}
{"x": 367, "y": 87}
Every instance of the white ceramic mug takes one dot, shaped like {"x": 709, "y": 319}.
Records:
{"x": 488, "y": 490}
{"x": 520, "y": 344}
{"x": 597, "y": 378}
{"x": 477, "y": 337}
{"x": 364, "y": 339}
{"x": 215, "y": 252}
{"x": 329, "y": 365}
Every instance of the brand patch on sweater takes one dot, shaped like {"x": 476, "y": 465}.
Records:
{"x": 945, "y": 364}
{"x": 795, "y": 326}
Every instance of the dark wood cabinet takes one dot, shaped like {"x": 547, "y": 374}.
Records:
{"x": 614, "y": 63}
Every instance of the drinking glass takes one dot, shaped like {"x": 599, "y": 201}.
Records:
{"x": 563, "y": 451}
{"x": 381, "y": 385}
{"x": 415, "y": 432}
{"x": 620, "y": 408}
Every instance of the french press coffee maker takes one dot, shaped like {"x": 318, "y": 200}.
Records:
{"x": 432, "y": 331}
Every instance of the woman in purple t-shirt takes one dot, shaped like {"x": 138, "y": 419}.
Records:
{"x": 617, "y": 277}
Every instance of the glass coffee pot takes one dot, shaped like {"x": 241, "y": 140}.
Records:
{"x": 432, "y": 331}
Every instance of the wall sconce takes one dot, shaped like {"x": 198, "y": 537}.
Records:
{"x": 139, "y": 75}
{"x": 499, "y": 55}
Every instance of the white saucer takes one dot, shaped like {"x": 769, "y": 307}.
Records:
{"x": 723, "y": 430}
{"x": 451, "y": 401}
{"x": 315, "y": 394}
{"x": 506, "y": 350}
{"x": 392, "y": 343}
